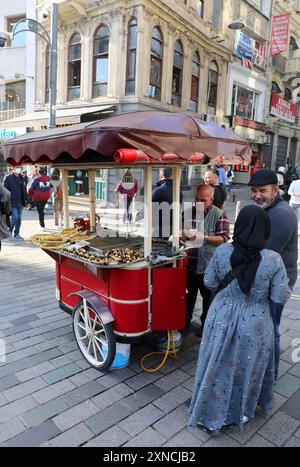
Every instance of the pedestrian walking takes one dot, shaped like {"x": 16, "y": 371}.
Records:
{"x": 221, "y": 175}
{"x": 162, "y": 200}
{"x": 4, "y": 212}
{"x": 57, "y": 197}
{"x": 40, "y": 191}
{"x": 294, "y": 192}
{"x": 229, "y": 179}
{"x": 78, "y": 178}
{"x": 35, "y": 174}
{"x": 216, "y": 232}
{"x": 235, "y": 371}
{"x": 13, "y": 182}
{"x": 211, "y": 178}
{"x": 127, "y": 187}
{"x": 283, "y": 237}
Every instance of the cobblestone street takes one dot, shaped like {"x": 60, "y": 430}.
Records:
{"x": 50, "y": 396}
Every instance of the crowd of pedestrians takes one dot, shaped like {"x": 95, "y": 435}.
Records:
{"x": 31, "y": 192}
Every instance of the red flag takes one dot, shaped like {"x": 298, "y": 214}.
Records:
{"x": 280, "y": 33}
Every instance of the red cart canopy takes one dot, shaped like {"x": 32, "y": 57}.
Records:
{"x": 154, "y": 133}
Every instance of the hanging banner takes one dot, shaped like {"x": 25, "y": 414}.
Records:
{"x": 244, "y": 46}
{"x": 280, "y": 33}
{"x": 283, "y": 109}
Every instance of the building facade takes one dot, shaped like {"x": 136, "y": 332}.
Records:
{"x": 248, "y": 82}
{"x": 175, "y": 55}
{"x": 17, "y": 69}
{"x": 170, "y": 55}
{"x": 283, "y": 121}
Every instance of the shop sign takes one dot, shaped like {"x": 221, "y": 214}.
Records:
{"x": 283, "y": 109}
{"x": 280, "y": 33}
{"x": 7, "y": 134}
{"x": 244, "y": 46}
{"x": 239, "y": 121}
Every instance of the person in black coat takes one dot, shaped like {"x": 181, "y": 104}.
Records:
{"x": 163, "y": 193}
{"x": 14, "y": 183}
{"x": 212, "y": 179}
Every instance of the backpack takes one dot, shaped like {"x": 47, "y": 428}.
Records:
{"x": 229, "y": 173}
{"x": 42, "y": 189}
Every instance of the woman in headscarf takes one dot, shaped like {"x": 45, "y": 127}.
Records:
{"x": 235, "y": 371}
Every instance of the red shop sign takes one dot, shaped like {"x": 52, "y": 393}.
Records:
{"x": 283, "y": 109}
{"x": 280, "y": 33}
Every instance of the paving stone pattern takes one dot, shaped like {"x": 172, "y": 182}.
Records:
{"x": 50, "y": 396}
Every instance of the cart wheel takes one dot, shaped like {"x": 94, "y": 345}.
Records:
{"x": 95, "y": 339}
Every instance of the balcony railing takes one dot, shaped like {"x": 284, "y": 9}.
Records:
{"x": 8, "y": 114}
{"x": 279, "y": 63}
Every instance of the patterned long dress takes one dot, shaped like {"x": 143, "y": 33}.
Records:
{"x": 235, "y": 370}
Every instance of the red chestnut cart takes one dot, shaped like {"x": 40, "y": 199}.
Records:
{"x": 126, "y": 301}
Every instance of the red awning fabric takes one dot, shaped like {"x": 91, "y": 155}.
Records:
{"x": 153, "y": 132}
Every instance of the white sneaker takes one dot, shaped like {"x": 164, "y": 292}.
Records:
{"x": 43, "y": 229}
{"x": 245, "y": 419}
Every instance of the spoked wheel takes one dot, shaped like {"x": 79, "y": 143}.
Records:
{"x": 95, "y": 339}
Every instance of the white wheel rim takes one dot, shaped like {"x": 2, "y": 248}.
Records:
{"x": 90, "y": 335}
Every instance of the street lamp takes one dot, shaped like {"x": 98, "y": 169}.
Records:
{"x": 28, "y": 24}
{"x": 236, "y": 24}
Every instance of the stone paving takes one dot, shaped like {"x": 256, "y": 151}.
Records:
{"x": 50, "y": 396}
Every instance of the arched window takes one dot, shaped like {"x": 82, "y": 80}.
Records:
{"x": 74, "y": 67}
{"x": 47, "y": 73}
{"x": 100, "y": 65}
{"x": 156, "y": 64}
{"x": 293, "y": 46}
{"x": 195, "y": 82}
{"x": 177, "y": 74}
{"x": 212, "y": 91}
{"x": 131, "y": 57}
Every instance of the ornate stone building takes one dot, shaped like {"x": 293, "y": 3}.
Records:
{"x": 123, "y": 56}
{"x": 171, "y": 55}
{"x": 283, "y": 121}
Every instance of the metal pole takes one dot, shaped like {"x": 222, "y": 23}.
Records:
{"x": 53, "y": 67}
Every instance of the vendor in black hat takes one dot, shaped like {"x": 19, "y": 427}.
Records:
{"x": 283, "y": 237}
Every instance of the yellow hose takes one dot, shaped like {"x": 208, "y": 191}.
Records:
{"x": 166, "y": 355}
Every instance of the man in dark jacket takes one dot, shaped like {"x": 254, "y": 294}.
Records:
{"x": 13, "y": 182}
{"x": 211, "y": 178}
{"x": 283, "y": 237}
{"x": 40, "y": 191}
{"x": 163, "y": 194}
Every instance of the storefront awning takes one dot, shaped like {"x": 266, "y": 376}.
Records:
{"x": 66, "y": 116}
{"x": 154, "y": 133}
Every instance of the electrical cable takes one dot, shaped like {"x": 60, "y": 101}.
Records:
{"x": 166, "y": 355}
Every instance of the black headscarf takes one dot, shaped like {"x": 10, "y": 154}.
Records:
{"x": 251, "y": 230}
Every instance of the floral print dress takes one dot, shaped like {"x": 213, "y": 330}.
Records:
{"x": 235, "y": 370}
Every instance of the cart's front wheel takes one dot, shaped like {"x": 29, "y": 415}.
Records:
{"x": 95, "y": 339}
